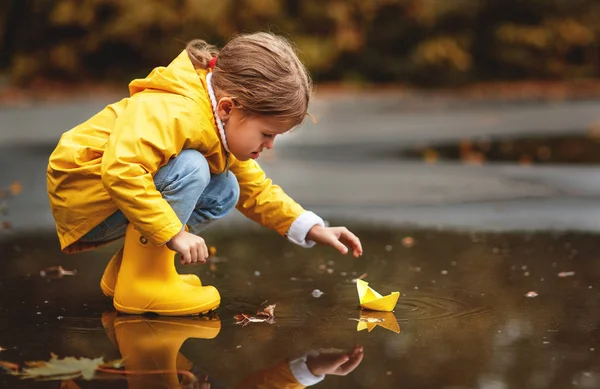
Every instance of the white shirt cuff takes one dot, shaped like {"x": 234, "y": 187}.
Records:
{"x": 301, "y": 226}
{"x": 301, "y": 373}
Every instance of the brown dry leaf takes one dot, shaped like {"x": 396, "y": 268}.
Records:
{"x": 408, "y": 242}
{"x": 212, "y": 250}
{"x": 472, "y": 158}
{"x": 525, "y": 160}
{"x": 16, "y": 188}
{"x": 9, "y": 366}
{"x": 594, "y": 130}
{"x": 266, "y": 315}
{"x": 60, "y": 369}
{"x": 430, "y": 156}
{"x": 268, "y": 311}
{"x": 5, "y": 225}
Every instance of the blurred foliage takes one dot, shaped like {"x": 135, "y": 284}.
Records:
{"x": 426, "y": 42}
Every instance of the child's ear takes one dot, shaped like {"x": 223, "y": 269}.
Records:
{"x": 225, "y": 107}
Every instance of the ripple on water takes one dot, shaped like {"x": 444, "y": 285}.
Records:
{"x": 296, "y": 305}
{"x": 426, "y": 304}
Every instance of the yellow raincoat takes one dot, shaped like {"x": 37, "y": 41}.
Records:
{"x": 108, "y": 162}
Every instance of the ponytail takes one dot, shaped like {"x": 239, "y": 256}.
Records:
{"x": 201, "y": 53}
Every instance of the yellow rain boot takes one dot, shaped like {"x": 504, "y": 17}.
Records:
{"x": 148, "y": 282}
{"x": 150, "y": 347}
{"x": 109, "y": 278}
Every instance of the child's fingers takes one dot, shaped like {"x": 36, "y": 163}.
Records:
{"x": 202, "y": 254}
{"x": 185, "y": 258}
{"x": 353, "y": 241}
{"x": 339, "y": 246}
{"x": 352, "y": 363}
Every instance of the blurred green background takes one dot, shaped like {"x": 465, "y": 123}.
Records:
{"x": 413, "y": 42}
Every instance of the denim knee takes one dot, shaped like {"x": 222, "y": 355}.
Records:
{"x": 230, "y": 192}
{"x": 188, "y": 171}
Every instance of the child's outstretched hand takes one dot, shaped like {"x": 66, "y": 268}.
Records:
{"x": 192, "y": 248}
{"x": 336, "y": 237}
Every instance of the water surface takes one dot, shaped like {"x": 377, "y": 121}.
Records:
{"x": 464, "y": 314}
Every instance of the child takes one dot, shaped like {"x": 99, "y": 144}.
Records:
{"x": 179, "y": 153}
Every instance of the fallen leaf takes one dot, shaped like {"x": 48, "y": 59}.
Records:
{"x": 266, "y": 315}
{"x": 9, "y": 367}
{"x": 408, "y": 242}
{"x": 57, "y": 272}
{"x": 531, "y": 294}
{"x": 525, "y": 160}
{"x": 369, "y": 320}
{"x": 566, "y": 273}
{"x": 212, "y": 250}
{"x": 60, "y": 369}
{"x": 16, "y": 188}
{"x": 5, "y": 225}
{"x": 472, "y": 158}
{"x": 430, "y": 156}
{"x": 594, "y": 130}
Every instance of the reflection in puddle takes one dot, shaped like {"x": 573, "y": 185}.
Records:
{"x": 462, "y": 319}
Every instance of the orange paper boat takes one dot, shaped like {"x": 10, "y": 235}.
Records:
{"x": 369, "y": 320}
{"x": 370, "y": 299}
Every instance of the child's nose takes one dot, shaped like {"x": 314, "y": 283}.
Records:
{"x": 270, "y": 143}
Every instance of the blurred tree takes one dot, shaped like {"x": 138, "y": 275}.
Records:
{"x": 425, "y": 42}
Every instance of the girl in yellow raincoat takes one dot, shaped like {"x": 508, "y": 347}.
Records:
{"x": 180, "y": 152}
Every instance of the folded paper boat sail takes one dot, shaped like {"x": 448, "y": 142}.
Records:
{"x": 370, "y": 299}
{"x": 370, "y": 319}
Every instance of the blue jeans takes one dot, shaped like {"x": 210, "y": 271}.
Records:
{"x": 197, "y": 196}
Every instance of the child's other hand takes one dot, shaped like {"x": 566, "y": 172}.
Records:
{"x": 192, "y": 248}
{"x": 335, "y": 363}
{"x": 336, "y": 237}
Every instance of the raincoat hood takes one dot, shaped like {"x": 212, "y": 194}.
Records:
{"x": 180, "y": 77}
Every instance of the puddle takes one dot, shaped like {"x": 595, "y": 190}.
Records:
{"x": 578, "y": 150}
{"x": 463, "y": 319}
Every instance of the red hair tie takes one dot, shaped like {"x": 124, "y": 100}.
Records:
{"x": 212, "y": 63}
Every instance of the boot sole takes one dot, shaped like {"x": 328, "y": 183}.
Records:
{"x": 198, "y": 310}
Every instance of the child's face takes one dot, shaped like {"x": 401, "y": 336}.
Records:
{"x": 247, "y": 136}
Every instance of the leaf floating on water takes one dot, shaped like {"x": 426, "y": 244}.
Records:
{"x": 368, "y": 320}
{"x": 531, "y": 294}
{"x": 57, "y": 272}
{"x": 408, "y": 241}
{"x": 566, "y": 273}
{"x": 9, "y": 367}
{"x": 266, "y": 315}
{"x": 61, "y": 369}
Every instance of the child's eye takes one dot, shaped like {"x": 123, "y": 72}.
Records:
{"x": 267, "y": 135}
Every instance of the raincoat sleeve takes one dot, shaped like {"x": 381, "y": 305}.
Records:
{"x": 276, "y": 377}
{"x": 146, "y": 135}
{"x": 267, "y": 204}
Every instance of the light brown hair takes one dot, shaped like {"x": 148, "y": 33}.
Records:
{"x": 261, "y": 72}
